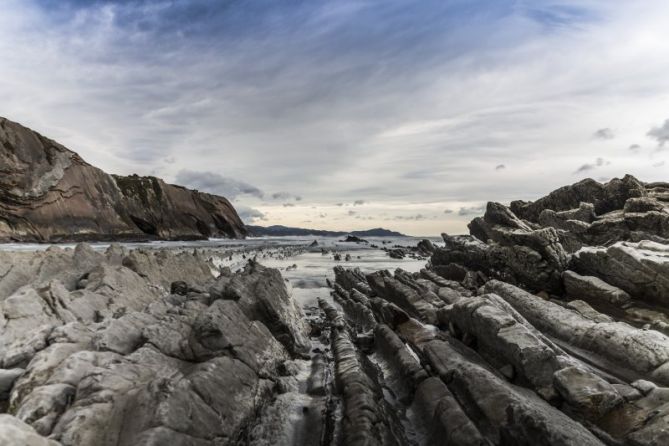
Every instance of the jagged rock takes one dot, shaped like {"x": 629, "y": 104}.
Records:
{"x": 397, "y": 253}
{"x": 593, "y": 288}
{"x": 504, "y": 247}
{"x": 410, "y": 370}
{"x": 426, "y": 247}
{"x": 262, "y": 296}
{"x": 511, "y": 415}
{"x": 408, "y": 295}
{"x": 117, "y": 360}
{"x": 641, "y": 269}
{"x": 502, "y": 338}
{"x": 363, "y": 423}
{"x": 645, "y": 351}
{"x": 354, "y": 239}
{"x": 604, "y": 197}
{"x": 352, "y": 279}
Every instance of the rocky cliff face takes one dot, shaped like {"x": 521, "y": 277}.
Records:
{"x": 48, "y": 194}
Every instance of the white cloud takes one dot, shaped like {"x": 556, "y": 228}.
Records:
{"x": 323, "y": 100}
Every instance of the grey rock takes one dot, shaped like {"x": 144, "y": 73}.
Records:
{"x": 14, "y": 432}
{"x": 645, "y": 351}
{"x": 588, "y": 393}
{"x": 640, "y": 269}
{"x": 592, "y": 288}
{"x": 442, "y": 418}
{"x": 514, "y": 416}
{"x": 7, "y": 378}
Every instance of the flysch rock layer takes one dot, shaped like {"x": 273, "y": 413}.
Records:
{"x": 48, "y": 193}
{"x": 548, "y": 325}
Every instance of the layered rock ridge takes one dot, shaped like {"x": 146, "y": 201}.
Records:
{"x": 547, "y": 325}
{"x": 49, "y": 194}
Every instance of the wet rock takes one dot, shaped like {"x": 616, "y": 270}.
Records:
{"x": 354, "y": 239}
{"x": 317, "y": 384}
{"x": 362, "y": 424}
{"x": 397, "y": 253}
{"x": 410, "y": 370}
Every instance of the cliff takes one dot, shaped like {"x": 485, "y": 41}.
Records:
{"x": 50, "y": 194}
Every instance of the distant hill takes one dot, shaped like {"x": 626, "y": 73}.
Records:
{"x": 282, "y": 231}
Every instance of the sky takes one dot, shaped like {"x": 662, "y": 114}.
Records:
{"x": 348, "y": 114}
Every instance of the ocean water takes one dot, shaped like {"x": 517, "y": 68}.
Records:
{"x": 304, "y": 268}
{"x": 292, "y": 418}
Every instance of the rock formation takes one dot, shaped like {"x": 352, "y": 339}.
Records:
{"x": 96, "y": 350}
{"x": 546, "y": 325}
{"x": 48, "y": 193}
{"x": 527, "y": 332}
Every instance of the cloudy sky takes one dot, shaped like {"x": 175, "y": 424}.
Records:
{"x": 348, "y": 114}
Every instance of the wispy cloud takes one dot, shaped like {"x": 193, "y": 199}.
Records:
{"x": 472, "y": 210}
{"x": 397, "y": 102}
{"x": 217, "y": 184}
{"x": 660, "y": 133}
{"x": 599, "y": 162}
{"x": 605, "y": 133}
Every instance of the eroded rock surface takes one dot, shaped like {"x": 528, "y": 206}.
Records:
{"x": 100, "y": 352}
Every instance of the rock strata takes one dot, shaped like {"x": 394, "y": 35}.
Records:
{"x": 529, "y": 331}
{"x": 49, "y": 193}
{"x": 546, "y": 325}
